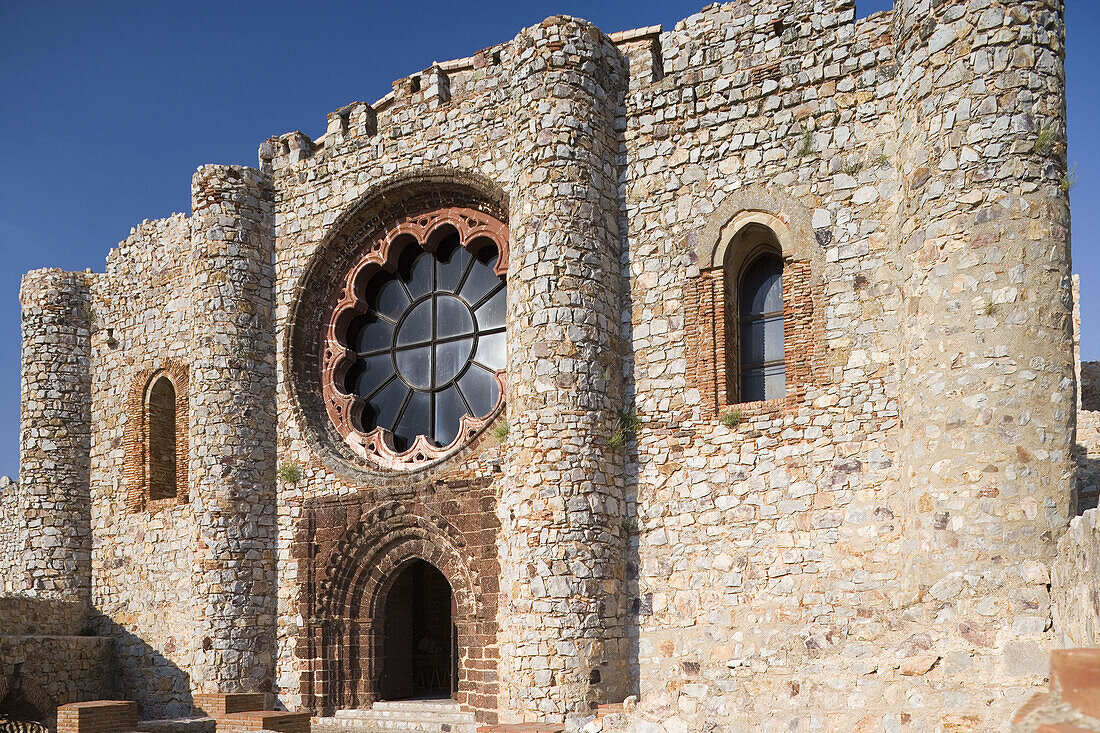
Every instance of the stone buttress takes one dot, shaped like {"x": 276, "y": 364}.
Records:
{"x": 987, "y": 394}
{"x": 232, "y": 462}
{"x": 563, "y": 639}
{"x": 55, "y": 435}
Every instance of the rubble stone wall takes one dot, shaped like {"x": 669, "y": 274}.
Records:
{"x": 55, "y": 435}
{"x": 564, "y": 644}
{"x": 1074, "y": 588}
{"x": 47, "y": 671}
{"x": 11, "y": 556}
{"x": 232, "y": 412}
{"x": 855, "y": 553}
{"x": 143, "y": 591}
{"x": 22, "y": 615}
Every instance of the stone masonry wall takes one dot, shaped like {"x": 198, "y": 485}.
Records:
{"x": 10, "y": 522}
{"x": 435, "y": 143}
{"x": 55, "y": 435}
{"x": 232, "y": 413}
{"x": 1074, "y": 588}
{"x": 780, "y": 545}
{"x": 51, "y": 670}
{"x": 143, "y": 589}
{"x": 563, "y": 639}
{"x": 778, "y": 557}
{"x": 839, "y": 553}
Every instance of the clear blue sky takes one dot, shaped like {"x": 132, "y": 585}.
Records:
{"x": 107, "y": 108}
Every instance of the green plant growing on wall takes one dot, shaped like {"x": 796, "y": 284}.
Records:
{"x": 990, "y": 309}
{"x": 87, "y": 312}
{"x": 731, "y": 419}
{"x": 1069, "y": 180}
{"x": 853, "y": 167}
{"x": 880, "y": 160}
{"x": 1044, "y": 140}
{"x": 629, "y": 422}
{"x": 290, "y": 472}
{"x": 500, "y": 432}
{"x": 805, "y": 144}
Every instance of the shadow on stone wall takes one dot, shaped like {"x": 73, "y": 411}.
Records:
{"x": 144, "y": 674}
{"x": 1087, "y": 493}
{"x": 23, "y": 700}
{"x": 640, "y": 603}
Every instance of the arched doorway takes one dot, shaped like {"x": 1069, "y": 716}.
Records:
{"x": 419, "y": 650}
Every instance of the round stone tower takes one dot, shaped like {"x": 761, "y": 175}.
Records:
{"x": 986, "y": 384}
{"x": 232, "y": 408}
{"x": 55, "y": 435}
{"x": 563, "y": 639}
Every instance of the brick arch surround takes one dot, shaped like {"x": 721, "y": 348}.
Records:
{"x": 136, "y": 437}
{"x": 351, "y": 570}
{"x": 803, "y": 254}
{"x": 22, "y": 699}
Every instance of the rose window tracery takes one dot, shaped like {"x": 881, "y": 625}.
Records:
{"x": 415, "y": 360}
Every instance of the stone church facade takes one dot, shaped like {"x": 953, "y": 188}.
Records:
{"x": 729, "y": 366}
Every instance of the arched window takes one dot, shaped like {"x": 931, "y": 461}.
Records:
{"x": 161, "y": 452}
{"x": 755, "y": 347}
{"x": 763, "y": 370}
{"x": 155, "y": 436}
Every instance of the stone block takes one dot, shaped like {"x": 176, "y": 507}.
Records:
{"x": 1075, "y": 679}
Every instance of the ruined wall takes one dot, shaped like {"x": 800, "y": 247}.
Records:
{"x": 1075, "y": 594}
{"x": 48, "y": 658}
{"x": 10, "y": 523}
{"x": 142, "y": 567}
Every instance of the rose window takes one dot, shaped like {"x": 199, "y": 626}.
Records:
{"x": 417, "y": 348}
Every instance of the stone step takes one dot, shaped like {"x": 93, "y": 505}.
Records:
{"x": 412, "y": 713}
{"x": 177, "y": 725}
{"x": 416, "y": 722}
{"x": 394, "y": 716}
{"x": 1075, "y": 679}
{"x": 332, "y": 725}
{"x": 522, "y": 728}
{"x": 422, "y": 724}
{"x": 442, "y": 704}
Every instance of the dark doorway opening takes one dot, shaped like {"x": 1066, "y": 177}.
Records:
{"x": 419, "y": 652}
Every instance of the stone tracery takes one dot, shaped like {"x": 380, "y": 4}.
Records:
{"x": 380, "y": 416}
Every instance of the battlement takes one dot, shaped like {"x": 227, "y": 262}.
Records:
{"x": 755, "y": 37}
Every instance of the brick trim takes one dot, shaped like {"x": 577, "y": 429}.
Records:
{"x": 353, "y": 553}
{"x": 135, "y": 436}
{"x": 380, "y": 251}
{"x": 711, "y": 325}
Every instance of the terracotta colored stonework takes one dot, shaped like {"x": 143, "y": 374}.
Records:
{"x": 380, "y": 251}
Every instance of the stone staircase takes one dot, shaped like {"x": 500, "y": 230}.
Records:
{"x": 421, "y": 716}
